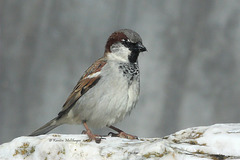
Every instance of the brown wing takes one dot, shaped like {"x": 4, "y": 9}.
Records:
{"x": 84, "y": 84}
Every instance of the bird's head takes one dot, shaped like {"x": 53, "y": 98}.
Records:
{"x": 124, "y": 45}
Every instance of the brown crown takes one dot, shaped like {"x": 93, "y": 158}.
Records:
{"x": 115, "y": 37}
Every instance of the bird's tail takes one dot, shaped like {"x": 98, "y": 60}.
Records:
{"x": 46, "y": 128}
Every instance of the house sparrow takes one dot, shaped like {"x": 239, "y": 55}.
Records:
{"x": 107, "y": 91}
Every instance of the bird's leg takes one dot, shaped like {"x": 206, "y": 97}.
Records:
{"x": 90, "y": 134}
{"x": 121, "y": 133}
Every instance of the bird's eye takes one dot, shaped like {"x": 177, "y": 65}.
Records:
{"x": 125, "y": 40}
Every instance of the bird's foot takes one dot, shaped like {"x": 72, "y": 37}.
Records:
{"x": 92, "y": 136}
{"x": 122, "y": 135}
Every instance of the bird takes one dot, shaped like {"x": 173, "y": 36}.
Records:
{"x": 107, "y": 91}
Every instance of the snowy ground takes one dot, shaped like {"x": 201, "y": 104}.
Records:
{"x": 221, "y": 141}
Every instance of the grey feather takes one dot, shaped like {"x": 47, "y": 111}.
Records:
{"x": 46, "y": 128}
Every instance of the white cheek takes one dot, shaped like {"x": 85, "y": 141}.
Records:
{"x": 119, "y": 52}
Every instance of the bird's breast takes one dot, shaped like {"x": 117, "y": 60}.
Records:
{"x": 114, "y": 96}
{"x": 130, "y": 71}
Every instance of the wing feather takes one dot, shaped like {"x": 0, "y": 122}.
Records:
{"x": 87, "y": 81}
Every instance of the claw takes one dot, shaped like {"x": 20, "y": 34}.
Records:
{"x": 112, "y": 134}
{"x": 121, "y": 134}
{"x": 128, "y": 136}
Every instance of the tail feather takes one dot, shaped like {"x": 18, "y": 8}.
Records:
{"x": 46, "y": 128}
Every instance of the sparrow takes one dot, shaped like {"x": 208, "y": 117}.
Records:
{"x": 107, "y": 91}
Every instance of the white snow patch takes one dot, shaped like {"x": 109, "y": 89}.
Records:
{"x": 221, "y": 141}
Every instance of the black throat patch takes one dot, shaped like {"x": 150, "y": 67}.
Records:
{"x": 133, "y": 56}
{"x": 130, "y": 71}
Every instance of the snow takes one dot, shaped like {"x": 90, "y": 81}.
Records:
{"x": 220, "y": 141}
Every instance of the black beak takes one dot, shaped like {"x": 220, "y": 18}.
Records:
{"x": 140, "y": 47}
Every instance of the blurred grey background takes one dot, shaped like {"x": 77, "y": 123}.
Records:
{"x": 190, "y": 75}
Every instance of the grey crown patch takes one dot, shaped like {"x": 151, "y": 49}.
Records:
{"x": 132, "y": 35}
{"x": 130, "y": 71}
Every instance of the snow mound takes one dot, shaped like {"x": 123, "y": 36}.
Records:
{"x": 220, "y": 141}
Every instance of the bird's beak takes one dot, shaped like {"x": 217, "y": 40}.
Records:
{"x": 140, "y": 47}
